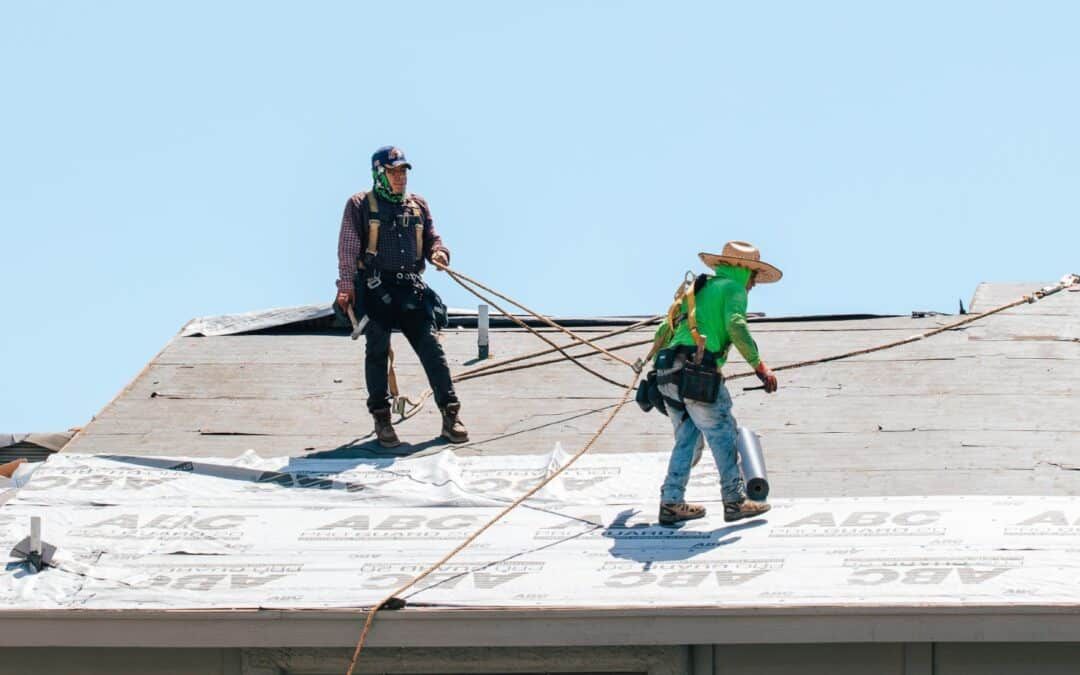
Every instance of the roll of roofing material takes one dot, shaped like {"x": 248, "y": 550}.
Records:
{"x": 752, "y": 464}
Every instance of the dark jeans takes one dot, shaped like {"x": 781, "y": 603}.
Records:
{"x": 419, "y": 330}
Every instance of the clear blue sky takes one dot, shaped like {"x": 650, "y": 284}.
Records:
{"x": 162, "y": 161}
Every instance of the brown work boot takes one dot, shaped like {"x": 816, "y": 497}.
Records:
{"x": 676, "y": 512}
{"x": 384, "y": 428}
{"x": 452, "y": 428}
{"x": 745, "y": 509}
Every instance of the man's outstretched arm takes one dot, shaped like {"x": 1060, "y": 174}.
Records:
{"x": 739, "y": 331}
{"x": 434, "y": 249}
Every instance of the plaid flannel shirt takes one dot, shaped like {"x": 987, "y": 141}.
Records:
{"x": 350, "y": 246}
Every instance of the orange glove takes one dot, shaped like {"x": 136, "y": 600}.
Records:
{"x": 767, "y": 377}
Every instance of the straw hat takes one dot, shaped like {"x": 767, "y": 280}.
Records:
{"x": 743, "y": 254}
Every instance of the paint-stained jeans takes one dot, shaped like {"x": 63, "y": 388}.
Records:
{"x": 714, "y": 420}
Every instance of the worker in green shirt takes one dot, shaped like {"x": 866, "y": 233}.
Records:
{"x": 707, "y": 317}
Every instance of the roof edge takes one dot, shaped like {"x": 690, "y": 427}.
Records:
{"x": 422, "y": 627}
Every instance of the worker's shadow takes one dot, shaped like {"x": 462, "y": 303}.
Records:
{"x": 364, "y": 448}
{"x": 652, "y": 542}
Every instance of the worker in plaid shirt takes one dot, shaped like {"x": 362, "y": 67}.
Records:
{"x": 386, "y": 236}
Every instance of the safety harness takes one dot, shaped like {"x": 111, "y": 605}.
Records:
{"x": 687, "y": 291}
{"x": 676, "y": 377}
{"x": 412, "y": 207}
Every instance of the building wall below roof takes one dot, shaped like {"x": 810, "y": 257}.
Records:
{"x": 106, "y": 661}
{"x": 789, "y": 659}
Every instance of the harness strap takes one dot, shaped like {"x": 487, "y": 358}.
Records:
{"x": 419, "y": 228}
{"x": 373, "y": 224}
{"x": 691, "y": 318}
{"x": 674, "y": 318}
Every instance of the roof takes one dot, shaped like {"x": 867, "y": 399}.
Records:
{"x": 951, "y": 459}
{"x": 892, "y": 422}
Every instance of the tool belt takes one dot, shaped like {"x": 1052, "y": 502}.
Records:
{"x": 680, "y": 379}
{"x": 386, "y": 295}
{"x": 700, "y": 382}
{"x": 402, "y": 278}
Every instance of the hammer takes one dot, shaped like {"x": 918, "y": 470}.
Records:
{"x": 357, "y": 326}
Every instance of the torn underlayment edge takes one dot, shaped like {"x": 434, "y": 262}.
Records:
{"x": 231, "y": 324}
{"x": 247, "y": 322}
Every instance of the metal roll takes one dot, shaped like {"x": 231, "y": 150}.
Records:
{"x": 752, "y": 464}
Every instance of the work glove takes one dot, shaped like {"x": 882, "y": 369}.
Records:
{"x": 440, "y": 259}
{"x": 765, "y": 374}
{"x": 345, "y": 299}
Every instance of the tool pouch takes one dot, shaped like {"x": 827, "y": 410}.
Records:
{"x": 435, "y": 308}
{"x": 649, "y": 396}
{"x": 643, "y": 399}
{"x": 669, "y": 366}
{"x": 700, "y": 382}
{"x": 655, "y": 397}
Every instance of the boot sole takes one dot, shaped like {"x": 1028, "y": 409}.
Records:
{"x": 386, "y": 444}
{"x": 455, "y": 440}
{"x": 680, "y": 520}
{"x": 743, "y": 516}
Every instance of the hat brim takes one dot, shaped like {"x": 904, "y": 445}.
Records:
{"x": 400, "y": 162}
{"x": 766, "y": 273}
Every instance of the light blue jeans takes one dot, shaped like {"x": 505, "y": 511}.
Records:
{"x": 714, "y": 420}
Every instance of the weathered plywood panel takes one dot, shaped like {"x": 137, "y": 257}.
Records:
{"x": 989, "y": 407}
{"x": 990, "y": 295}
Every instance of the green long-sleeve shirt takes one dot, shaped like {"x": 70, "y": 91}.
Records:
{"x": 721, "y": 317}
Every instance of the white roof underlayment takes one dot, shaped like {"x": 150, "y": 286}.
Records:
{"x": 248, "y": 532}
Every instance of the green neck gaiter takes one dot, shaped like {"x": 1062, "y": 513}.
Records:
{"x": 382, "y": 187}
{"x": 739, "y": 275}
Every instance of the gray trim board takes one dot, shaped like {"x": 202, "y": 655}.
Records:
{"x": 577, "y": 627}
